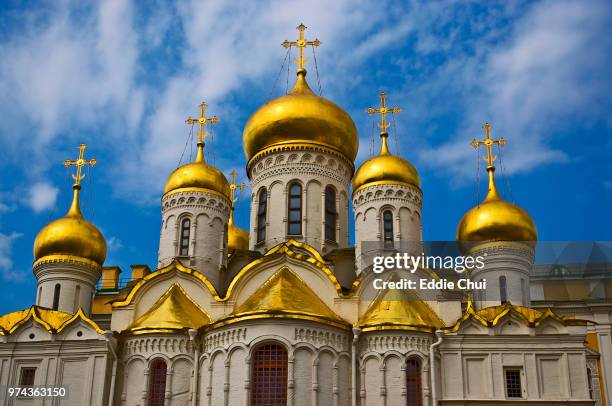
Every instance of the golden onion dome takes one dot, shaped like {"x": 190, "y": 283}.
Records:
{"x": 198, "y": 175}
{"x": 72, "y": 236}
{"x": 496, "y": 220}
{"x": 385, "y": 169}
{"x": 301, "y": 117}
{"x": 237, "y": 238}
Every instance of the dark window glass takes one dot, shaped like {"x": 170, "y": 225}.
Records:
{"x": 295, "y": 210}
{"x": 388, "y": 228}
{"x": 331, "y": 214}
{"x": 414, "y": 396}
{"x": 503, "y": 292}
{"x": 269, "y": 376}
{"x": 513, "y": 383}
{"x": 185, "y": 230}
{"x": 56, "y": 296}
{"x": 27, "y": 376}
{"x": 261, "y": 215}
{"x": 157, "y": 383}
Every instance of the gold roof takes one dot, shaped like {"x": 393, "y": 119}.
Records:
{"x": 237, "y": 238}
{"x": 399, "y": 310}
{"x": 496, "y": 220}
{"x": 174, "y": 311}
{"x": 71, "y": 237}
{"x": 385, "y": 168}
{"x": 300, "y": 117}
{"x": 284, "y": 295}
{"x": 52, "y": 320}
{"x": 198, "y": 175}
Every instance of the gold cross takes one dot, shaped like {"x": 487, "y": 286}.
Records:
{"x": 488, "y": 142}
{"x": 234, "y": 186}
{"x": 301, "y": 43}
{"x": 79, "y": 163}
{"x": 202, "y": 120}
{"x": 383, "y": 110}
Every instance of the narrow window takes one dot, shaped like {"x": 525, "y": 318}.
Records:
{"x": 388, "y": 228}
{"x": 56, "y": 295}
{"x": 269, "y": 376}
{"x": 262, "y": 203}
{"x": 27, "y": 376}
{"x": 295, "y": 209}
{"x": 514, "y": 387}
{"x": 330, "y": 214}
{"x": 185, "y": 230}
{"x": 590, "y": 382}
{"x": 503, "y": 291}
{"x": 225, "y": 231}
{"x": 414, "y": 395}
{"x": 77, "y": 295}
{"x": 157, "y": 383}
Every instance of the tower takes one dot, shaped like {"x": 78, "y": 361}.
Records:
{"x": 504, "y": 234}
{"x": 195, "y": 212}
{"x": 300, "y": 150}
{"x": 387, "y": 199}
{"x": 68, "y": 254}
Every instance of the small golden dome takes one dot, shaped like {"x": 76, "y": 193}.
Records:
{"x": 198, "y": 174}
{"x": 385, "y": 169}
{"x": 301, "y": 117}
{"x": 71, "y": 235}
{"x": 237, "y": 238}
{"x": 496, "y": 220}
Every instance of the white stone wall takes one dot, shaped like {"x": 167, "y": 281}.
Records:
{"x": 314, "y": 169}
{"x": 209, "y": 214}
{"x": 514, "y": 262}
{"x": 77, "y": 285}
{"x": 405, "y": 203}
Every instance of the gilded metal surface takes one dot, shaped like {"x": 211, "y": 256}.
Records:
{"x": 237, "y": 238}
{"x": 51, "y": 320}
{"x": 72, "y": 235}
{"x": 174, "y": 266}
{"x": 385, "y": 168}
{"x": 301, "y": 43}
{"x": 490, "y": 316}
{"x": 284, "y": 295}
{"x": 301, "y": 117}
{"x": 399, "y": 310}
{"x": 495, "y": 219}
{"x": 65, "y": 258}
{"x": 173, "y": 311}
{"x": 198, "y": 174}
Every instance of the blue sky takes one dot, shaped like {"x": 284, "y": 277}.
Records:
{"x": 122, "y": 77}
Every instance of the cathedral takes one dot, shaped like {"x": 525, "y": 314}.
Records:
{"x": 287, "y": 312}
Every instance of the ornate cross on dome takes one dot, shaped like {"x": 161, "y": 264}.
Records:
{"x": 80, "y": 162}
{"x": 488, "y": 142}
{"x": 383, "y": 110}
{"x": 234, "y": 186}
{"x": 301, "y": 43}
{"x": 202, "y": 120}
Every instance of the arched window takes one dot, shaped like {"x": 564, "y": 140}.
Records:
{"x": 269, "y": 376}
{"x": 56, "y": 295}
{"x": 295, "y": 209}
{"x": 157, "y": 383}
{"x": 262, "y": 203}
{"x": 414, "y": 397}
{"x": 388, "y": 228}
{"x": 225, "y": 235}
{"x": 503, "y": 291}
{"x": 331, "y": 214}
{"x": 185, "y": 231}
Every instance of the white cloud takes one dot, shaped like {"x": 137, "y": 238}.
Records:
{"x": 6, "y": 260}
{"x": 42, "y": 196}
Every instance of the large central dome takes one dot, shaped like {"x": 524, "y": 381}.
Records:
{"x": 301, "y": 117}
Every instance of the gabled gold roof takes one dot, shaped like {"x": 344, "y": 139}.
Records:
{"x": 174, "y": 311}
{"x": 52, "y": 320}
{"x": 399, "y": 310}
{"x": 284, "y": 295}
